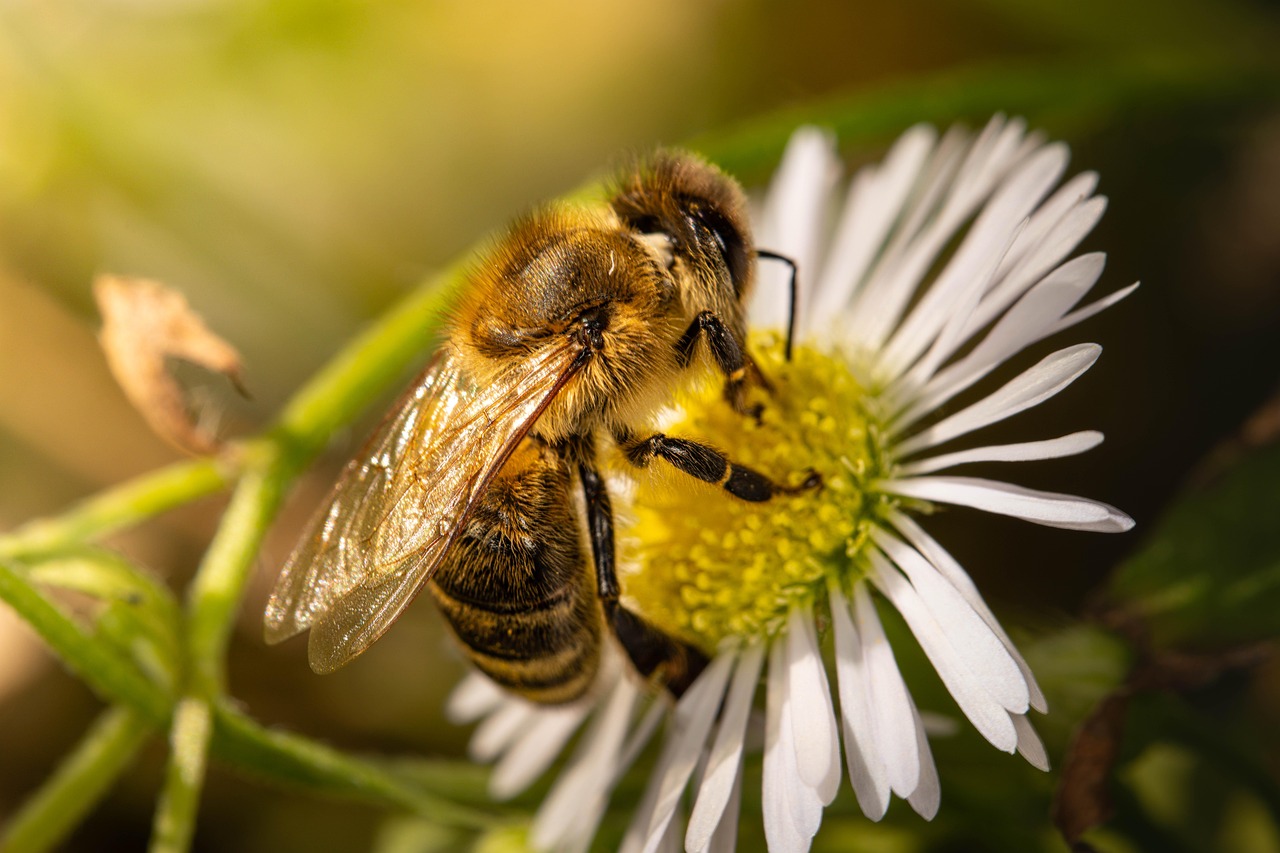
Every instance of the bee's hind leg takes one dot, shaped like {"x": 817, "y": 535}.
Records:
{"x": 652, "y": 651}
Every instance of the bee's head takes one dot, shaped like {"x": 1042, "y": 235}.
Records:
{"x": 700, "y": 210}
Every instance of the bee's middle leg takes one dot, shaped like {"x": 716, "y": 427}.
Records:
{"x": 650, "y": 649}
{"x": 709, "y": 465}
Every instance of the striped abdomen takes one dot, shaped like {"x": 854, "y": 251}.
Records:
{"x": 517, "y": 588}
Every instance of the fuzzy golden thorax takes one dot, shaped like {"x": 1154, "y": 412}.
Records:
{"x": 603, "y": 283}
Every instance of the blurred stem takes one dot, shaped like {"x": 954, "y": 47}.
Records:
{"x": 1060, "y": 98}
{"x": 377, "y": 359}
{"x": 79, "y": 782}
{"x": 213, "y": 598}
{"x": 113, "y": 678}
{"x": 364, "y": 369}
{"x": 288, "y": 759}
{"x": 213, "y": 601}
{"x": 121, "y": 506}
{"x": 175, "y": 820}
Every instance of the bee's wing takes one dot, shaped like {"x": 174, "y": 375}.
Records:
{"x": 399, "y": 505}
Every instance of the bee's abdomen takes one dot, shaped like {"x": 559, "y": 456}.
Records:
{"x": 516, "y": 589}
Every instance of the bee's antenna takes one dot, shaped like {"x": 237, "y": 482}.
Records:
{"x": 791, "y": 313}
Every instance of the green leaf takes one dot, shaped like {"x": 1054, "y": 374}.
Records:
{"x": 1209, "y": 574}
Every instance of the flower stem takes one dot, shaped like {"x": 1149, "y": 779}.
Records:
{"x": 79, "y": 782}
{"x": 365, "y": 368}
{"x": 213, "y": 600}
{"x": 121, "y": 506}
{"x": 114, "y": 679}
{"x": 288, "y": 759}
{"x": 175, "y": 820}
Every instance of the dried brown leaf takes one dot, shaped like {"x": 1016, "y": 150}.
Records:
{"x": 144, "y": 323}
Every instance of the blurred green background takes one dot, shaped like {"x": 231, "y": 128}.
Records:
{"x": 293, "y": 167}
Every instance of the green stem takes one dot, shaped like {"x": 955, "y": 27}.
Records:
{"x": 285, "y": 758}
{"x": 1056, "y": 97}
{"x": 114, "y": 679}
{"x": 215, "y": 593}
{"x": 366, "y": 368}
{"x": 175, "y": 820}
{"x": 213, "y": 600}
{"x": 79, "y": 782}
{"x": 121, "y": 506}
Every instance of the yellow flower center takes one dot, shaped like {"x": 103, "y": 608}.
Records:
{"x": 706, "y": 566}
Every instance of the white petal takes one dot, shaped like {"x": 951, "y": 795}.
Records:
{"x": 792, "y": 223}
{"x": 866, "y": 766}
{"x": 943, "y": 321}
{"x": 910, "y": 250}
{"x": 888, "y": 698}
{"x": 791, "y": 811}
{"x": 875, "y": 199}
{"x": 580, "y": 793}
{"x": 813, "y": 719}
{"x": 500, "y": 729}
{"x": 1052, "y": 374}
{"x": 1022, "y": 325}
{"x": 988, "y": 717}
{"x": 1030, "y": 746}
{"x": 725, "y": 761}
{"x": 990, "y": 664}
{"x": 1039, "y": 260}
{"x": 472, "y": 699}
{"x": 637, "y": 831}
{"x": 959, "y": 578}
{"x": 1090, "y": 309}
{"x": 670, "y": 840}
{"x": 725, "y": 839}
{"x": 533, "y": 753}
{"x": 639, "y": 737}
{"x": 695, "y": 713}
{"x": 928, "y": 794}
{"x": 1046, "y": 238}
{"x": 955, "y": 191}
{"x": 1052, "y": 448}
{"x": 979, "y": 254}
{"x": 1047, "y": 508}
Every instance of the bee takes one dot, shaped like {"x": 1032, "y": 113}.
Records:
{"x": 579, "y": 325}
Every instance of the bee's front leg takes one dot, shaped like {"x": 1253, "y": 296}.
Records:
{"x": 730, "y": 356}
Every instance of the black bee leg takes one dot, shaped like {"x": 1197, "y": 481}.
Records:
{"x": 711, "y": 466}
{"x": 651, "y": 650}
{"x": 730, "y": 356}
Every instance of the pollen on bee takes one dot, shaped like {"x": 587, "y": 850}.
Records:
{"x": 706, "y": 566}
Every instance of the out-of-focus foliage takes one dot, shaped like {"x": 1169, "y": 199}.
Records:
{"x": 296, "y": 167}
{"x": 1209, "y": 575}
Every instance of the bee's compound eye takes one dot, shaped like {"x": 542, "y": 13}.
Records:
{"x": 728, "y": 239}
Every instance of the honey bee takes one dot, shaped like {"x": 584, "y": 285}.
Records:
{"x": 577, "y": 328}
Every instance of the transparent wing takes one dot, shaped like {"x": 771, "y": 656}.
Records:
{"x": 398, "y": 505}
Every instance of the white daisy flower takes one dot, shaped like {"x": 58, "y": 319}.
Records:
{"x": 944, "y": 261}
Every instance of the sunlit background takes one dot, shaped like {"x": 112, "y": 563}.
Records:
{"x": 293, "y": 167}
